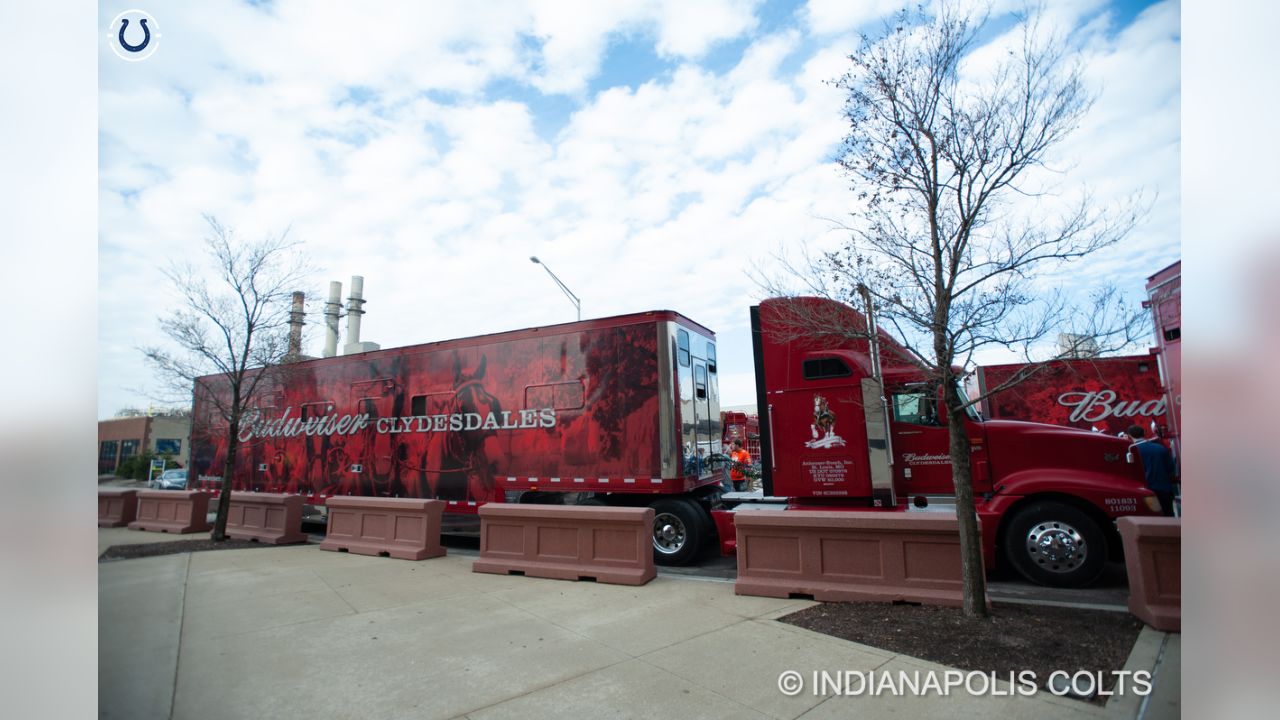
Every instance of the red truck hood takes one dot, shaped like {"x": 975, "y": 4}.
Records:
{"x": 1015, "y": 447}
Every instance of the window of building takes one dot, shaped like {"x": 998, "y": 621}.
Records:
{"x": 128, "y": 448}
{"x": 169, "y": 446}
{"x": 108, "y": 450}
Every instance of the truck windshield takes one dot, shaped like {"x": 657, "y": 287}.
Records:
{"x": 969, "y": 410}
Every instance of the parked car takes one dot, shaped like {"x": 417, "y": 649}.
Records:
{"x": 171, "y": 480}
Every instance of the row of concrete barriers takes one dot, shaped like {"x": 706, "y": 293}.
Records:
{"x": 826, "y": 555}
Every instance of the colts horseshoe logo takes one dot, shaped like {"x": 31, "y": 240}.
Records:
{"x": 125, "y": 26}
{"x": 146, "y": 36}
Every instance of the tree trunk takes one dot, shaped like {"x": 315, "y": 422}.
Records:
{"x": 224, "y": 498}
{"x": 975, "y": 581}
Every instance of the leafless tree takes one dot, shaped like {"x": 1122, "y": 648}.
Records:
{"x": 230, "y": 334}
{"x": 943, "y": 165}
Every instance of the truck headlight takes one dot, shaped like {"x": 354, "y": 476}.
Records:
{"x": 1153, "y": 503}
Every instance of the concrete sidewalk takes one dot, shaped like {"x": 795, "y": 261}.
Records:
{"x": 298, "y": 632}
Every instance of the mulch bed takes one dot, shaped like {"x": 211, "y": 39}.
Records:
{"x": 141, "y": 550}
{"x": 1039, "y": 638}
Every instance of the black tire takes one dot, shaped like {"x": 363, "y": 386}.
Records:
{"x": 679, "y": 530}
{"x": 1055, "y": 544}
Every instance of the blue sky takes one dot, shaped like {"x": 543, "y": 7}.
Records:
{"x": 652, "y": 152}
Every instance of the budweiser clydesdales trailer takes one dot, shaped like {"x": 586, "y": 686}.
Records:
{"x": 624, "y": 407}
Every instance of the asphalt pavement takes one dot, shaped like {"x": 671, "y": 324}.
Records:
{"x": 300, "y": 632}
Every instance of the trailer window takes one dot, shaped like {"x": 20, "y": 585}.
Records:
{"x": 316, "y": 409}
{"x": 700, "y": 382}
{"x": 418, "y": 405}
{"x": 822, "y": 368}
{"x": 682, "y": 347}
{"x": 711, "y": 357}
{"x": 560, "y": 396}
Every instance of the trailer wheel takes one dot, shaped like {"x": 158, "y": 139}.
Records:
{"x": 1056, "y": 545}
{"x": 678, "y": 530}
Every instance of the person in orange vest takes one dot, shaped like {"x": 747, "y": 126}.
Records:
{"x": 741, "y": 459}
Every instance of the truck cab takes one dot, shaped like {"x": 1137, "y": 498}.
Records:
{"x": 837, "y": 434}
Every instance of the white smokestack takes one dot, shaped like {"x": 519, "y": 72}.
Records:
{"x": 331, "y": 310}
{"x": 355, "y": 308}
{"x": 355, "y": 303}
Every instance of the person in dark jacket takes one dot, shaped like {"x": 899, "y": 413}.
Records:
{"x": 1157, "y": 466}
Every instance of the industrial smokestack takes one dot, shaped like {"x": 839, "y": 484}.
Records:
{"x": 331, "y": 310}
{"x": 355, "y": 303}
{"x": 355, "y": 308}
{"x": 295, "y": 325}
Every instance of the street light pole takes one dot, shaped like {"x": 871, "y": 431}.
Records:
{"x": 572, "y": 298}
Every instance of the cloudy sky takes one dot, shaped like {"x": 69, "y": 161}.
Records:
{"x": 651, "y": 152}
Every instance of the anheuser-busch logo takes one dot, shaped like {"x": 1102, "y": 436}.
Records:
{"x": 1095, "y": 405}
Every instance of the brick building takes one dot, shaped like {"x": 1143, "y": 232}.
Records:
{"x": 120, "y": 438}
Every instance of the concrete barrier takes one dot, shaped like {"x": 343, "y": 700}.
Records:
{"x": 117, "y": 508}
{"x": 405, "y": 528}
{"x": 568, "y": 542}
{"x": 172, "y": 511}
{"x": 850, "y": 556}
{"x": 1153, "y": 559}
{"x": 265, "y": 517}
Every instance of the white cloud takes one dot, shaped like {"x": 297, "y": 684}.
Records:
{"x": 831, "y": 17}
{"x": 368, "y": 131}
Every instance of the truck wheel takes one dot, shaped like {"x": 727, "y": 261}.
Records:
{"x": 1056, "y": 545}
{"x": 678, "y": 530}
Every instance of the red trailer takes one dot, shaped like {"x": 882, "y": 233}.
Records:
{"x": 744, "y": 428}
{"x": 1100, "y": 394}
{"x": 626, "y": 408}
{"x": 1164, "y": 298}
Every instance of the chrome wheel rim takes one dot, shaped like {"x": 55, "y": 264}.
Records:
{"x": 669, "y": 533}
{"x": 1056, "y": 546}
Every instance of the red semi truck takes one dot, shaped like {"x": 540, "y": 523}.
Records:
{"x": 625, "y": 411}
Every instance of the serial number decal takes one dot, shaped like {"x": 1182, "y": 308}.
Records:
{"x": 1129, "y": 504}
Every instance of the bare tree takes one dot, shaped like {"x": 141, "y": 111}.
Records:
{"x": 943, "y": 163}
{"x": 230, "y": 335}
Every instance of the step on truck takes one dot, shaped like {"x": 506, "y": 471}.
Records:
{"x": 625, "y": 411}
